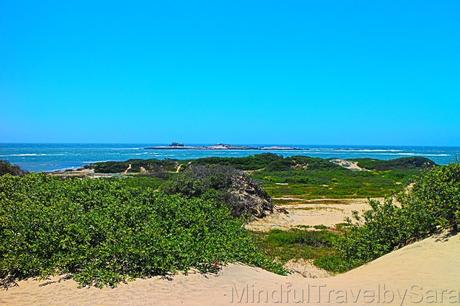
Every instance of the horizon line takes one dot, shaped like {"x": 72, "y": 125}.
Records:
{"x": 229, "y": 143}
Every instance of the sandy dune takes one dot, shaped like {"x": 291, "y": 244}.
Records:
{"x": 424, "y": 273}
{"x": 328, "y": 212}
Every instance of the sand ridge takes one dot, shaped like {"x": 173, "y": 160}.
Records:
{"x": 424, "y": 273}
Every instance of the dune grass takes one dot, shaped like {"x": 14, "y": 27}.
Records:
{"x": 317, "y": 246}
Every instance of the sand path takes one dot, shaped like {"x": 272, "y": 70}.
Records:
{"x": 328, "y": 212}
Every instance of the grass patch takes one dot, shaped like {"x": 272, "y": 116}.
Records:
{"x": 318, "y": 246}
{"x": 335, "y": 183}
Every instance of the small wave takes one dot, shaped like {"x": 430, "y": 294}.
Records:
{"x": 422, "y": 154}
{"x": 367, "y": 150}
{"x": 30, "y": 154}
{"x": 96, "y": 161}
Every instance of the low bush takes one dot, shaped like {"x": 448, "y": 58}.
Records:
{"x": 225, "y": 184}
{"x": 318, "y": 246}
{"x": 432, "y": 206}
{"x": 153, "y": 167}
{"x": 103, "y": 231}
{"x": 197, "y": 180}
{"x": 417, "y": 162}
{"x": 254, "y": 162}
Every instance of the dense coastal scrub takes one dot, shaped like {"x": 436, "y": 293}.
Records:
{"x": 298, "y": 176}
{"x": 432, "y": 206}
{"x": 265, "y": 161}
{"x": 102, "y": 231}
{"x": 224, "y": 184}
{"x": 399, "y": 163}
{"x": 166, "y": 216}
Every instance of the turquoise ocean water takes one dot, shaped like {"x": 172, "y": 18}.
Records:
{"x": 49, "y": 157}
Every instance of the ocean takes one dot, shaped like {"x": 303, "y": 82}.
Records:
{"x": 50, "y": 157}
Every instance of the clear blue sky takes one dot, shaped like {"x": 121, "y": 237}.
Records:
{"x": 288, "y": 72}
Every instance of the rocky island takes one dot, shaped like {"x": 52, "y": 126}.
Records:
{"x": 220, "y": 146}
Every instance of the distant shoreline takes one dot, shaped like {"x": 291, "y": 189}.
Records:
{"x": 177, "y": 146}
{"x": 50, "y": 157}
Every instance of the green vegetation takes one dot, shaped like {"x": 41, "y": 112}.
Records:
{"x": 7, "y": 168}
{"x": 254, "y": 162}
{"x": 141, "y": 181}
{"x": 297, "y": 176}
{"x": 168, "y": 216}
{"x": 432, "y": 206}
{"x": 317, "y": 246}
{"x": 336, "y": 183}
{"x": 224, "y": 184}
{"x": 104, "y": 231}
{"x": 197, "y": 180}
{"x": 393, "y": 164}
{"x": 152, "y": 166}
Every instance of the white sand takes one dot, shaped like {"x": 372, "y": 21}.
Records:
{"x": 328, "y": 212}
{"x": 428, "y": 265}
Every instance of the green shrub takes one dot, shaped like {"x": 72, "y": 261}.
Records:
{"x": 295, "y": 236}
{"x": 439, "y": 194}
{"x": 153, "y": 167}
{"x": 254, "y": 162}
{"x": 283, "y": 246}
{"x": 103, "y": 231}
{"x": 197, "y": 180}
{"x": 279, "y": 165}
{"x": 433, "y": 205}
{"x": 417, "y": 162}
{"x": 224, "y": 184}
{"x": 332, "y": 263}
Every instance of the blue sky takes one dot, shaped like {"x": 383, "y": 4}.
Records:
{"x": 287, "y": 72}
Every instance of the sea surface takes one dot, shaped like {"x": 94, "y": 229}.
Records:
{"x": 50, "y": 157}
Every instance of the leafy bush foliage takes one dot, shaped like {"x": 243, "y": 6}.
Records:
{"x": 223, "y": 184}
{"x": 152, "y": 166}
{"x": 398, "y": 163}
{"x": 7, "y": 168}
{"x": 432, "y": 205}
{"x": 103, "y": 231}
{"x": 197, "y": 180}
{"x": 306, "y": 244}
{"x": 254, "y": 162}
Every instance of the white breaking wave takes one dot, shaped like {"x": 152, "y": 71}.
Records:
{"x": 30, "y": 154}
{"x": 421, "y": 154}
{"x": 368, "y": 150}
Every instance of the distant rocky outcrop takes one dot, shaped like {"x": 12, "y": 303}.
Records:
{"x": 221, "y": 146}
